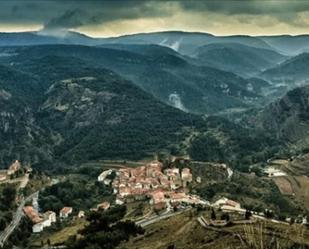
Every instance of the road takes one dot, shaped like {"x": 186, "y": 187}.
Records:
{"x": 156, "y": 218}
{"x": 16, "y": 220}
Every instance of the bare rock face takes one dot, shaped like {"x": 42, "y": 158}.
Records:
{"x": 288, "y": 118}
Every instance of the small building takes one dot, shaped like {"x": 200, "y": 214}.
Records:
{"x": 51, "y": 216}
{"x": 305, "y": 221}
{"x": 107, "y": 181}
{"x": 224, "y": 202}
{"x": 119, "y": 200}
{"x": 81, "y": 214}
{"x": 104, "y": 205}
{"x": 186, "y": 176}
{"x": 65, "y": 212}
{"x": 157, "y": 196}
{"x": 39, "y": 221}
{"x": 38, "y": 227}
{"x": 198, "y": 179}
{"x": 178, "y": 197}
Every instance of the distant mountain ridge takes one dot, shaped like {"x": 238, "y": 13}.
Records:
{"x": 237, "y": 58}
{"x": 293, "y": 71}
{"x": 183, "y": 42}
{"x": 287, "y": 44}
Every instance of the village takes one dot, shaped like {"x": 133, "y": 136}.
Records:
{"x": 165, "y": 189}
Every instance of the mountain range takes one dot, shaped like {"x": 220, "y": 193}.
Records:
{"x": 52, "y": 115}
{"x": 183, "y": 42}
{"x": 162, "y": 72}
{"x": 237, "y": 58}
{"x": 73, "y": 98}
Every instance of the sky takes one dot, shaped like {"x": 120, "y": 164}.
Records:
{"x": 119, "y": 17}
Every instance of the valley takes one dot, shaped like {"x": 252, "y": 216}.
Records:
{"x": 155, "y": 140}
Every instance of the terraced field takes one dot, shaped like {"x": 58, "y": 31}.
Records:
{"x": 184, "y": 231}
{"x": 296, "y": 183}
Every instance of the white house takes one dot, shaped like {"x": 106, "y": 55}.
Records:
{"x": 305, "y": 221}
{"x": 39, "y": 221}
{"x": 81, "y": 214}
{"x": 225, "y": 202}
{"x": 65, "y": 212}
{"x": 38, "y": 227}
{"x": 51, "y": 216}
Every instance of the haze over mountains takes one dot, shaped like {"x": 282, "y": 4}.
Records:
{"x": 76, "y": 94}
{"x": 183, "y": 42}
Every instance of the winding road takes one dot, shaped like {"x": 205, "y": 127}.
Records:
{"x": 16, "y": 219}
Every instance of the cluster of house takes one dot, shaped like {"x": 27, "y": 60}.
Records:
{"x": 40, "y": 221}
{"x": 163, "y": 187}
{"x": 13, "y": 168}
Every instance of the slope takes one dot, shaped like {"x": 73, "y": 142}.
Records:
{"x": 240, "y": 59}
{"x": 164, "y": 75}
{"x": 291, "y": 72}
{"x": 62, "y": 110}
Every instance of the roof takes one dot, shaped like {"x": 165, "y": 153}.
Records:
{"x": 49, "y": 212}
{"x": 232, "y": 203}
{"x": 32, "y": 214}
{"x": 66, "y": 210}
{"x": 157, "y": 196}
{"x": 104, "y": 205}
{"x": 186, "y": 170}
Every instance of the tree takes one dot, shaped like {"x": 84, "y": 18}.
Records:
{"x": 225, "y": 217}
{"x": 213, "y": 214}
{"x": 9, "y": 193}
{"x": 2, "y": 224}
{"x": 248, "y": 214}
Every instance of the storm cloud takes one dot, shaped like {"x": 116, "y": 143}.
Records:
{"x": 136, "y": 14}
{"x": 97, "y": 12}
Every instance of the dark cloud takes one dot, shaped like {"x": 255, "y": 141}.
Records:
{"x": 73, "y": 14}
{"x": 250, "y": 7}
{"x": 68, "y": 14}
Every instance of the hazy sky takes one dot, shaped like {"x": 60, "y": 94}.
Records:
{"x": 117, "y": 17}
